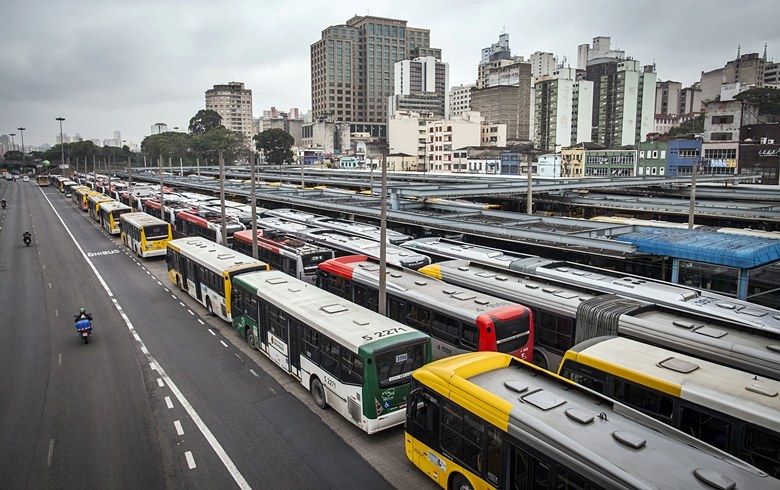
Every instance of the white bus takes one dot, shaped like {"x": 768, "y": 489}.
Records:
{"x": 109, "y": 213}
{"x": 204, "y": 269}
{"x": 144, "y": 234}
{"x": 352, "y": 359}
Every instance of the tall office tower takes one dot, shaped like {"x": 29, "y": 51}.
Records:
{"x": 234, "y": 103}
{"x": 460, "y": 99}
{"x": 542, "y": 64}
{"x": 667, "y": 97}
{"x": 772, "y": 74}
{"x": 352, "y": 70}
{"x": 562, "y": 113}
{"x": 627, "y": 105}
{"x": 690, "y": 99}
{"x": 507, "y": 104}
{"x": 747, "y": 69}
{"x": 498, "y": 67}
{"x": 597, "y": 61}
{"x": 420, "y": 85}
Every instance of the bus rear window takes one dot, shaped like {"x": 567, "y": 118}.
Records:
{"x": 312, "y": 260}
{"x": 395, "y": 366}
{"x": 156, "y": 231}
{"x": 512, "y": 334}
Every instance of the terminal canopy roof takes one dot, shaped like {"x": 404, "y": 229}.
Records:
{"x": 707, "y": 246}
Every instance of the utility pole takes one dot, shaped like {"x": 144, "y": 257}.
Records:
{"x": 253, "y": 161}
{"x": 162, "y": 196}
{"x": 222, "y": 196}
{"x": 383, "y": 238}
{"x": 692, "y": 208}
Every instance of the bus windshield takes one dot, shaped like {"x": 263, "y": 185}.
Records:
{"x": 511, "y": 334}
{"x": 394, "y": 367}
{"x": 154, "y": 232}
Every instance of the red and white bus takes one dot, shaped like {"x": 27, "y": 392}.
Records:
{"x": 207, "y": 225}
{"x": 458, "y": 320}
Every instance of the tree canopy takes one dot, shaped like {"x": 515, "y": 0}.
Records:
{"x": 204, "y": 121}
{"x": 767, "y": 99}
{"x": 695, "y": 126}
{"x": 275, "y": 144}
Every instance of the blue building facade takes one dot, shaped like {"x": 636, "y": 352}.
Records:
{"x": 683, "y": 154}
{"x": 510, "y": 163}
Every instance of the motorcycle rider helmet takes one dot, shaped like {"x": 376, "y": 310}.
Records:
{"x": 82, "y": 310}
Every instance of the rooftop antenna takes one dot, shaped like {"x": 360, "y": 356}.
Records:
{"x": 764, "y": 51}
{"x": 739, "y": 50}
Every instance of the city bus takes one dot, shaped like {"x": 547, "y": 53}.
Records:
{"x": 730, "y": 409}
{"x": 80, "y": 194}
{"x": 487, "y": 420}
{"x": 457, "y": 319}
{"x": 285, "y": 253}
{"x": 351, "y": 359}
{"x": 204, "y": 269}
{"x": 145, "y": 235}
{"x": 92, "y": 204}
{"x": 344, "y": 244}
{"x": 109, "y": 213}
{"x": 66, "y": 185}
{"x": 43, "y": 180}
{"x": 206, "y": 224}
{"x": 567, "y": 315}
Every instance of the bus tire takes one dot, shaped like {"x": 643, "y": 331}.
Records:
{"x": 459, "y": 482}
{"x": 318, "y": 393}
{"x": 208, "y": 307}
{"x": 540, "y": 360}
{"x": 250, "y": 337}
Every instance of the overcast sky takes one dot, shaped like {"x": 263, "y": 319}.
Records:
{"x": 112, "y": 65}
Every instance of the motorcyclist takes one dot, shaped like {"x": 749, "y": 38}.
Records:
{"x": 2, "y": 201}
{"x": 83, "y": 315}
{"x": 26, "y": 236}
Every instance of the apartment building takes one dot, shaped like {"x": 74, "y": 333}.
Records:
{"x": 233, "y": 103}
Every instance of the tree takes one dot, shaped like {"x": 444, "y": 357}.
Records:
{"x": 209, "y": 144}
{"x": 13, "y": 156}
{"x": 204, "y": 121}
{"x": 695, "y": 126}
{"x": 767, "y": 99}
{"x": 275, "y": 144}
{"x": 170, "y": 144}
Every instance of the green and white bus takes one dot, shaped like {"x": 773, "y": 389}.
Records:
{"x": 205, "y": 270}
{"x": 349, "y": 357}
{"x": 144, "y": 234}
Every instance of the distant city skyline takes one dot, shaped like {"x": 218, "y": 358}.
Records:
{"x": 116, "y": 67}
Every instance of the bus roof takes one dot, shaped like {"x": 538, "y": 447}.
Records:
{"x": 113, "y": 206}
{"x": 276, "y": 241}
{"x": 722, "y": 388}
{"x": 214, "y": 256}
{"x": 99, "y": 198}
{"x": 630, "y": 448}
{"x": 141, "y": 219}
{"x": 345, "y": 322}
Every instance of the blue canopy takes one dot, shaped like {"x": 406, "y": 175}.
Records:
{"x": 707, "y": 246}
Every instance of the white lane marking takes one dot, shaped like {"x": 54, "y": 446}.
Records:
{"x": 49, "y": 285}
{"x": 167, "y": 290}
{"x": 207, "y": 434}
{"x": 136, "y": 337}
{"x": 173, "y": 296}
{"x": 59, "y": 359}
{"x": 44, "y": 266}
{"x": 182, "y": 304}
{"x": 191, "y": 461}
{"x": 168, "y": 402}
{"x": 191, "y": 313}
{"x": 160, "y": 383}
{"x": 51, "y": 453}
{"x": 179, "y": 429}
{"x": 149, "y": 273}
{"x": 143, "y": 349}
{"x": 254, "y": 373}
{"x": 56, "y": 312}
{"x": 158, "y": 282}
{"x": 200, "y": 321}
{"x": 212, "y": 332}
{"x": 223, "y": 343}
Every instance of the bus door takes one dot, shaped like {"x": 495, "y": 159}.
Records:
{"x": 294, "y": 347}
{"x": 262, "y": 326}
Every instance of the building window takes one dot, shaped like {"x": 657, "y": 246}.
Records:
{"x": 723, "y": 119}
{"x": 720, "y": 137}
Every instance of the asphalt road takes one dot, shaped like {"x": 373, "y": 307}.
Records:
{"x": 163, "y": 396}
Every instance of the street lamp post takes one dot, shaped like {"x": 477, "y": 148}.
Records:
{"x": 21, "y": 133}
{"x": 13, "y": 144}
{"x": 62, "y": 141}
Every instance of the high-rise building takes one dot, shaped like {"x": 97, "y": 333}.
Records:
{"x": 421, "y": 85}
{"x": 234, "y": 103}
{"x": 667, "y": 97}
{"x": 562, "y": 114}
{"x": 460, "y": 99}
{"x": 747, "y": 69}
{"x": 627, "y": 105}
{"x": 597, "y": 61}
{"x": 542, "y": 64}
{"x": 352, "y": 69}
{"x": 690, "y": 99}
{"x": 498, "y": 67}
{"x": 772, "y": 74}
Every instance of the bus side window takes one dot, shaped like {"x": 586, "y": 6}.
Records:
{"x": 424, "y": 415}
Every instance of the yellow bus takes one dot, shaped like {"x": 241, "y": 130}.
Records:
{"x": 730, "y": 409}
{"x": 92, "y": 204}
{"x": 109, "y": 213}
{"x": 43, "y": 180}
{"x": 487, "y": 420}
{"x": 144, "y": 234}
{"x": 205, "y": 269}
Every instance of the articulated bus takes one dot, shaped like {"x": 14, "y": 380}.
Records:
{"x": 92, "y": 204}
{"x": 352, "y": 359}
{"x": 43, "y": 180}
{"x": 285, "y": 253}
{"x": 207, "y": 225}
{"x": 109, "y": 213}
{"x": 80, "y": 194}
{"x": 565, "y": 316}
{"x": 145, "y": 235}
{"x": 457, "y": 319}
{"x": 486, "y": 420}
{"x": 732, "y": 410}
{"x": 205, "y": 270}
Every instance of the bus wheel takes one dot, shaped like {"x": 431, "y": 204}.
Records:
{"x": 208, "y": 307}
{"x": 250, "y": 337}
{"x": 318, "y": 393}
{"x": 460, "y": 483}
{"x": 540, "y": 360}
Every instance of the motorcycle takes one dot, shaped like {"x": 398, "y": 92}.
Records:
{"x": 84, "y": 328}
{"x": 27, "y": 240}
{"x": 3, "y": 204}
